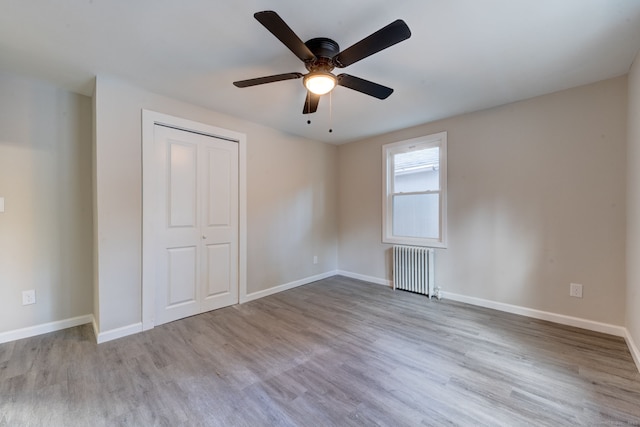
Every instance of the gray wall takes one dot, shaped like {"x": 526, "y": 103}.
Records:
{"x": 45, "y": 178}
{"x": 633, "y": 212}
{"x": 536, "y": 201}
{"x": 291, "y": 200}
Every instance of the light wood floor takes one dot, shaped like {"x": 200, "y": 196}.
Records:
{"x": 337, "y": 352}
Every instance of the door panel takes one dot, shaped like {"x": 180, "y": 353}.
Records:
{"x": 197, "y": 223}
{"x": 218, "y": 275}
{"x": 182, "y": 287}
{"x": 219, "y": 184}
{"x": 182, "y": 190}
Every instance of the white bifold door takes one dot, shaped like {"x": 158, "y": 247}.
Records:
{"x": 196, "y": 223}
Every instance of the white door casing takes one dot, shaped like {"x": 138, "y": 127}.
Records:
{"x": 193, "y": 218}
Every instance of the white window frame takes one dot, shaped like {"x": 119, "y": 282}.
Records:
{"x": 428, "y": 141}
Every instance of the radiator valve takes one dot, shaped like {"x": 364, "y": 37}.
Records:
{"x": 438, "y": 293}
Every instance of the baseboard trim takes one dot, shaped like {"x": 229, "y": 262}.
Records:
{"x": 280, "y": 288}
{"x": 114, "y": 334}
{"x": 365, "y": 278}
{"x": 96, "y": 328}
{"x": 633, "y": 348}
{"x": 562, "y": 319}
{"x": 44, "y": 328}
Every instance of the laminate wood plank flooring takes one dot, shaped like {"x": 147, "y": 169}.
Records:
{"x": 338, "y": 352}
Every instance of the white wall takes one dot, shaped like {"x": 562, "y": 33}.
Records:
{"x": 291, "y": 200}
{"x": 633, "y": 208}
{"x": 45, "y": 178}
{"x": 536, "y": 201}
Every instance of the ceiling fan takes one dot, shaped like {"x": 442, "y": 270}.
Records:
{"x": 321, "y": 55}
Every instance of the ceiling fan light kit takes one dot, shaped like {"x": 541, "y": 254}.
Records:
{"x": 319, "y": 82}
{"x": 321, "y": 55}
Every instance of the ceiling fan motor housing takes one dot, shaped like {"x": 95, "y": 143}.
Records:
{"x": 324, "y": 50}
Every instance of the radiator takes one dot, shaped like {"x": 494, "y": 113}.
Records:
{"x": 413, "y": 269}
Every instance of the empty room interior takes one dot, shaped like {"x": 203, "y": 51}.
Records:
{"x": 193, "y": 231}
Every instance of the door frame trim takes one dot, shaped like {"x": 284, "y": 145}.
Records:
{"x": 149, "y": 120}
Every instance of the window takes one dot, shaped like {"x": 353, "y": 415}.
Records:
{"x": 414, "y": 208}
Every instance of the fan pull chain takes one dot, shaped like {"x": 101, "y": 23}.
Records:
{"x": 330, "y": 111}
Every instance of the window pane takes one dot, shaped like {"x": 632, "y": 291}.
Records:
{"x": 414, "y": 191}
{"x": 417, "y": 170}
{"x": 416, "y": 215}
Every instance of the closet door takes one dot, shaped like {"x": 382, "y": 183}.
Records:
{"x": 197, "y": 223}
{"x": 219, "y": 179}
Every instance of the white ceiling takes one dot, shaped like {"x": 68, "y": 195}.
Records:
{"x": 464, "y": 55}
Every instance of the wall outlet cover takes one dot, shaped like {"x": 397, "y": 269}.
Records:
{"x": 29, "y": 297}
{"x": 575, "y": 290}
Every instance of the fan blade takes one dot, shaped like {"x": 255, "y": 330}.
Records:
{"x": 267, "y": 79}
{"x": 364, "y": 86}
{"x": 310, "y": 103}
{"x": 385, "y": 37}
{"x": 285, "y": 34}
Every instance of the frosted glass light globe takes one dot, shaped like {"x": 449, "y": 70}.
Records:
{"x": 320, "y": 83}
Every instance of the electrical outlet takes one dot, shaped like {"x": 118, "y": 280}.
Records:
{"x": 315, "y": 259}
{"x": 29, "y": 297}
{"x": 575, "y": 290}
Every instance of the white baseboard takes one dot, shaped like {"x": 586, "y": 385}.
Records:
{"x": 114, "y": 334}
{"x": 633, "y": 348}
{"x": 44, "y": 328}
{"x": 96, "y": 328}
{"x": 261, "y": 294}
{"x": 577, "y": 322}
{"x": 358, "y": 276}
